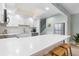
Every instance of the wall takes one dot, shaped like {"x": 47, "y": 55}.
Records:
{"x": 15, "y": 20}
{"x": 69, "y": 25}
{"x": 2, "y": 26}
{"x": 0, "y": 12}
{"x": 63, "y": 11}
{"x": 75, "y": 23}
{"x": 37, "y": 25}
{"x": 53, "y": 20}
{"x": 33, "y": 22}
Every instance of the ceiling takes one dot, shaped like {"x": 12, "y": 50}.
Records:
{"x": 73, "y": 8}
{"x": 39, "y": 9}
{"x": 33, "y": 9}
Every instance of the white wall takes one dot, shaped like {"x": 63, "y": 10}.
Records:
{"x": 55, "y": 19}
{"x": 69, "y": 25}
{"x": 37, "y": 25}
{"x": 0, "y": 11}
{"x": 75, "y": 23}
{"x": 2, "y": 26}
{"x": 15, "y": 20}
{"x": 33, "y": 23}
{"x": 67, "y": 14}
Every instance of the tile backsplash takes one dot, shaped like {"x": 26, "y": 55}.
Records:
{"x": 18, "y": 30}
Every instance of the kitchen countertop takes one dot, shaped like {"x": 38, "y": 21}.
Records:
{"x": 27, "y": 46}
{"x": 10, "y": 34}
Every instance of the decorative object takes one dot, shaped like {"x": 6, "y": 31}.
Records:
{"x": 49, "y": 25}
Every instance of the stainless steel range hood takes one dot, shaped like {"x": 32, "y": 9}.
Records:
{"x": 5, "y": 16}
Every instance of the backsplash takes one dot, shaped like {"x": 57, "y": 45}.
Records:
{"x": 2, "y": 27}
{"x": 18, "y": 30}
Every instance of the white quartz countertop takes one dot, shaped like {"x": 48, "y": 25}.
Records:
{"x": 10, "y": 34}
{"x": 28, "y": 45}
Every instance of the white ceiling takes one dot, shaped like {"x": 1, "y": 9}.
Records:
{"x": 33, "y": 9}
{"x": 73, "y": 8}
{"x": 38, "y": 9}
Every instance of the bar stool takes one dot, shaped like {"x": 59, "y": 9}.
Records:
{"x": 48, "y": 54}
{"x": 67, "y": 47}
{"x": 58, "y": 51}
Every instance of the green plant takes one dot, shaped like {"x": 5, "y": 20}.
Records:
{"x": 76, "y": 38}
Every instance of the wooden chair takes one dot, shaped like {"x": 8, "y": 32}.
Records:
{"x": 67, "y": 47}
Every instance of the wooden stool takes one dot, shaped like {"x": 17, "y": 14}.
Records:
{"x": 48, "y": 54}
{"x": 67, "y": 46}
{"x": 58, "y": 51}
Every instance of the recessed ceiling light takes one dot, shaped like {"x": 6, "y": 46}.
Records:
{"x": 47, "y": 8}
{"x": 31, "y": 19}
{"x": 18, "y": 16}
{"x": 9, "y": 11}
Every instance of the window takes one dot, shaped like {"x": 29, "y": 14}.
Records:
{"x": 59, "y": 28}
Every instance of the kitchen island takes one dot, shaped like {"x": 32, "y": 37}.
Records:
{"x": 30, "y": 46}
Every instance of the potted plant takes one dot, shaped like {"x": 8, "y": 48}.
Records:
{"x": 76, "y": 39}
